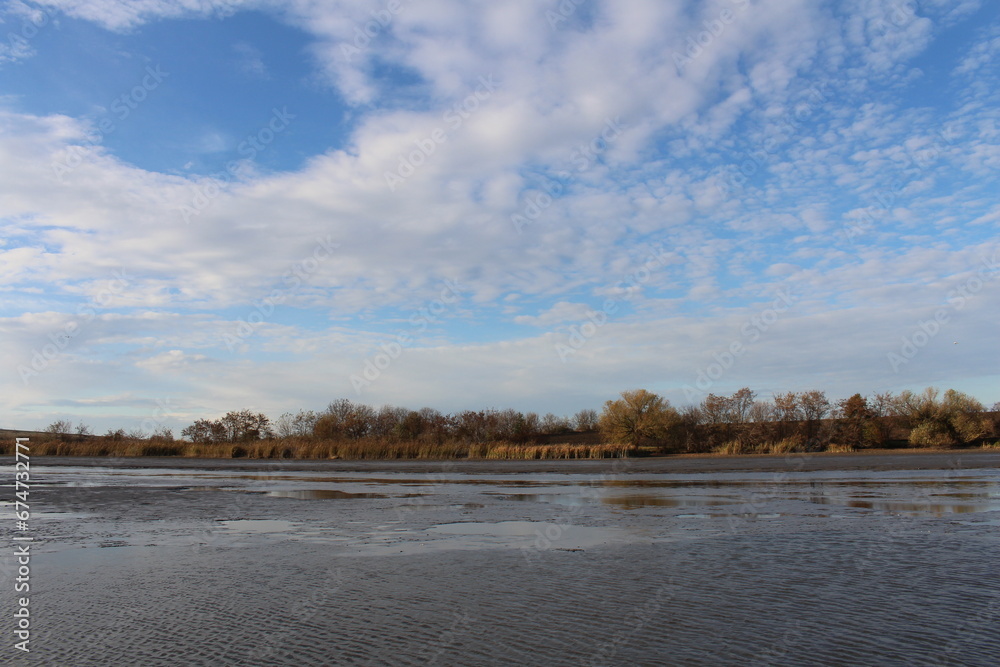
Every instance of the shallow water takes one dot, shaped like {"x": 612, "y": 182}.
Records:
{"x": 168, "y": 566}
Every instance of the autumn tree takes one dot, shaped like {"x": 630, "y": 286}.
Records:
{"x": 787, "y": 406}
{"x": 855, "y": 426}
{"x": 411, "y": 426}
{"x": 954, "y": 419}
{"x": 638, "y": 416}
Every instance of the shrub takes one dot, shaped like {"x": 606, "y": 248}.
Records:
{"x": 955, "y": 419}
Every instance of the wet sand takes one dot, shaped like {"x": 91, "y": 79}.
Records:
{"x": 845, "y": 559}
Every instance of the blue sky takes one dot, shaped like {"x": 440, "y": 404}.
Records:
{"x": 208, "y": 206}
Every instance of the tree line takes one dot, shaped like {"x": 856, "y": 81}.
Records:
{"x": 803, "y": 421}
{"x": 640, "y": 419}
{"x": 638, "y": 422}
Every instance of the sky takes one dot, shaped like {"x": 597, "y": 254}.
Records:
{"x": 215, "y": 205}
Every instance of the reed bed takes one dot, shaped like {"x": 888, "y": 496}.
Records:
{"x": 310, "y": 448}
{"x": 784, "y": 446}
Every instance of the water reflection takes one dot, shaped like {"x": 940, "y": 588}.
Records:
{"x": 906, "y": 508}
{"x": 332, "y": 494}
{"x": 321, "y": 494}
{"x": 636, "y": 501}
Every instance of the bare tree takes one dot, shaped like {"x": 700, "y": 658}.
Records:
{"x": 162, "y": 434}
{"x": 715, "y": 409}
{"x": 585, "y": 420}
{"x": 883, "y": 404}
{"x": 740, "y": 405}
{"x": 60, "y": 427}
{"x": 814, "y": 405}
{"x": 762, "y": 411}
{"x": 554, "y": 425}
{"x": 245, "y": 425}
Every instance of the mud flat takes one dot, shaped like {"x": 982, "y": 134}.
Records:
{"x": 870, "y": 559}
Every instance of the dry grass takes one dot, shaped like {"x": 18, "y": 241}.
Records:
{"x": 311, "y": 448}
{"x": 376, "y": 449}
{"x": 742, "y": 447}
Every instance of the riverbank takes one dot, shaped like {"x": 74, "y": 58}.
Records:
{"x": 894, "y": 459}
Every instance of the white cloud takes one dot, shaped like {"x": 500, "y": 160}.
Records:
{"x": 352, "y": 259}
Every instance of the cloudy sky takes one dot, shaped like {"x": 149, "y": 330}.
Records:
{"x": 210, "y": 205}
